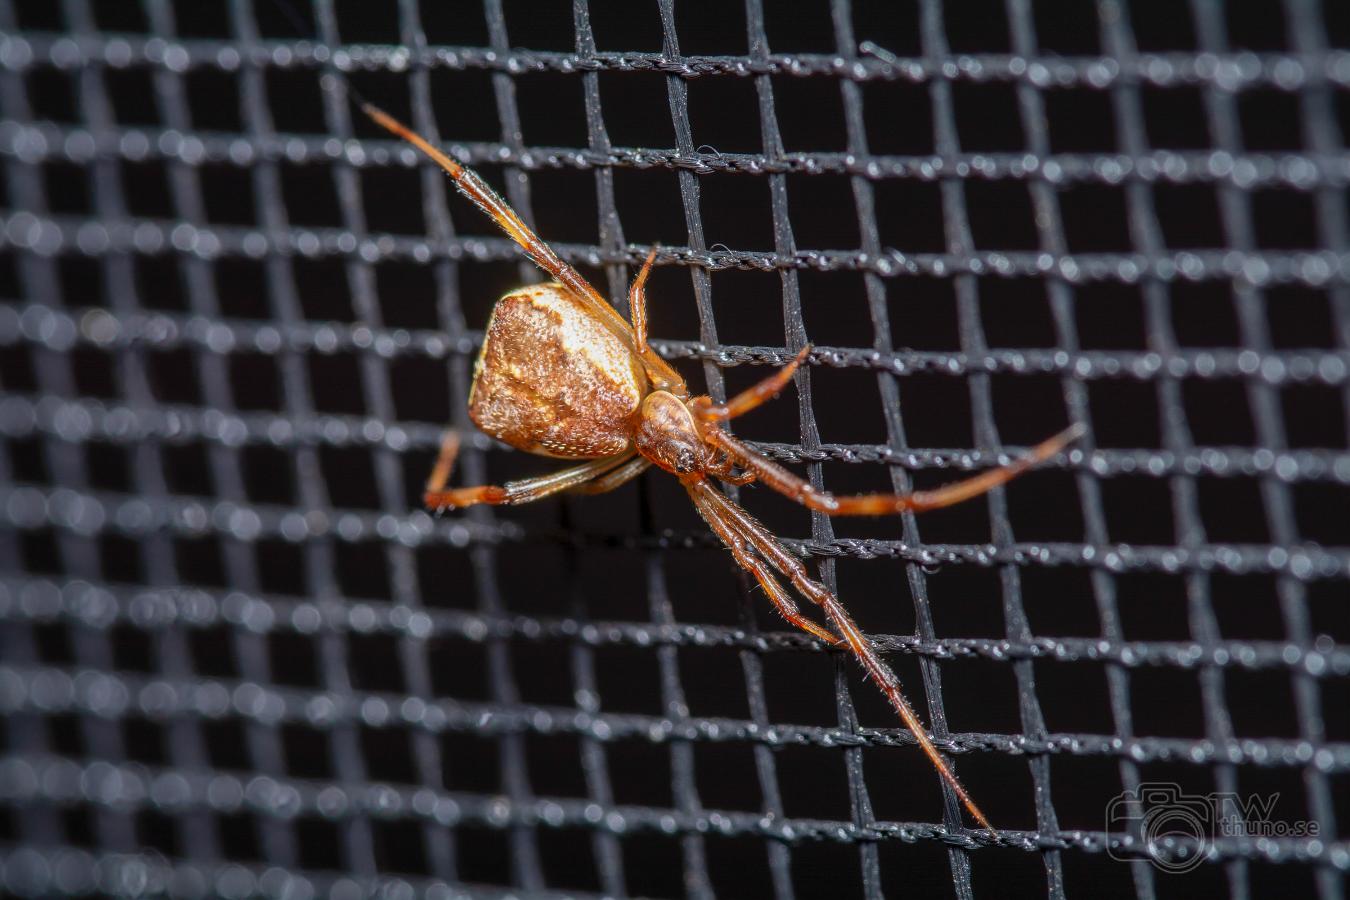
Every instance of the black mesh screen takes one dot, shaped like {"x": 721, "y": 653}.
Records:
{"x": 236, "y": 658}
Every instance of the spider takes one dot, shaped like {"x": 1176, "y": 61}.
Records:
{"x": 562, "y": 374}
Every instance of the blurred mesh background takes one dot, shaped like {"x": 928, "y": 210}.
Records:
{"x": 236, "y": 658}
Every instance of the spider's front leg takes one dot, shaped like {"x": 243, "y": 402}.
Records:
{"x": 737, "y": 527}
{"x": 775, "y": 476}
{"x": 803, "y": 492}
{"x": 438, "y": 497}
{"x": 745, "y": 557}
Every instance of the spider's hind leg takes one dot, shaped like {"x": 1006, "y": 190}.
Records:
{"x": 445, "y": 462}
{"x": 438, "y": 497}
{"x": 614, "y": 478}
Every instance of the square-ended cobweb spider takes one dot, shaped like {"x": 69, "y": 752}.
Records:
{"x": 562, "y": 374}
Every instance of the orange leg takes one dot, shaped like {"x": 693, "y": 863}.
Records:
{"x": 637, "y": 299}
{"x": 445, "y": 462}
{"x": 486, "y": 199}
{"x": 801, "y": 491}
{"x": 438, "y": 497}
{"x": 743, "y": 555}
{"x": 657, "y": 368}
{"x": 614, "y": 478}
{"x": 751, "y": 397}
{"x": 732, "y": 516}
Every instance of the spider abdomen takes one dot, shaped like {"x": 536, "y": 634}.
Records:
{"x": 552, "y": 380}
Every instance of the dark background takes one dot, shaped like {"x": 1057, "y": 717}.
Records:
{"x": 1168, "y": 536}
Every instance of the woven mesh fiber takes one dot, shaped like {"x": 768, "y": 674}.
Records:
{"x": 237, "y": 659}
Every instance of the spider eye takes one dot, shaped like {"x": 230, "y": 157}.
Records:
{"x": 684, "y": 461}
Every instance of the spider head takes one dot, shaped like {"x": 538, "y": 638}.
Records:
{"x": 666, "y": 434}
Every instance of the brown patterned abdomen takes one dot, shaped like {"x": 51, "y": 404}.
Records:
{"x": 552, "y": 380}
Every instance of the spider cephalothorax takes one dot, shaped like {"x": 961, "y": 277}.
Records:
{"x": 667, "y": 435}
{"x": 562, "y": 374}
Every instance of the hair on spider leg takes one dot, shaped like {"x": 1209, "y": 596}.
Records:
{"x": 562, "y": 374}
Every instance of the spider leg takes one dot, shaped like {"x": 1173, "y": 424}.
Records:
{"x": 438, "y": 497}
{"x": 751, "y": 397}
{"x": 445, "y": 462}
{"x": 745, "y": 557}
{"x": 801, "y": 491}
{"x": 859, "y": 644}
{"x": 486, "y": 199}
{"x": 637, "y": 299}
{"x": 613, "y": 478}
{"x": 663, "y": 377}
